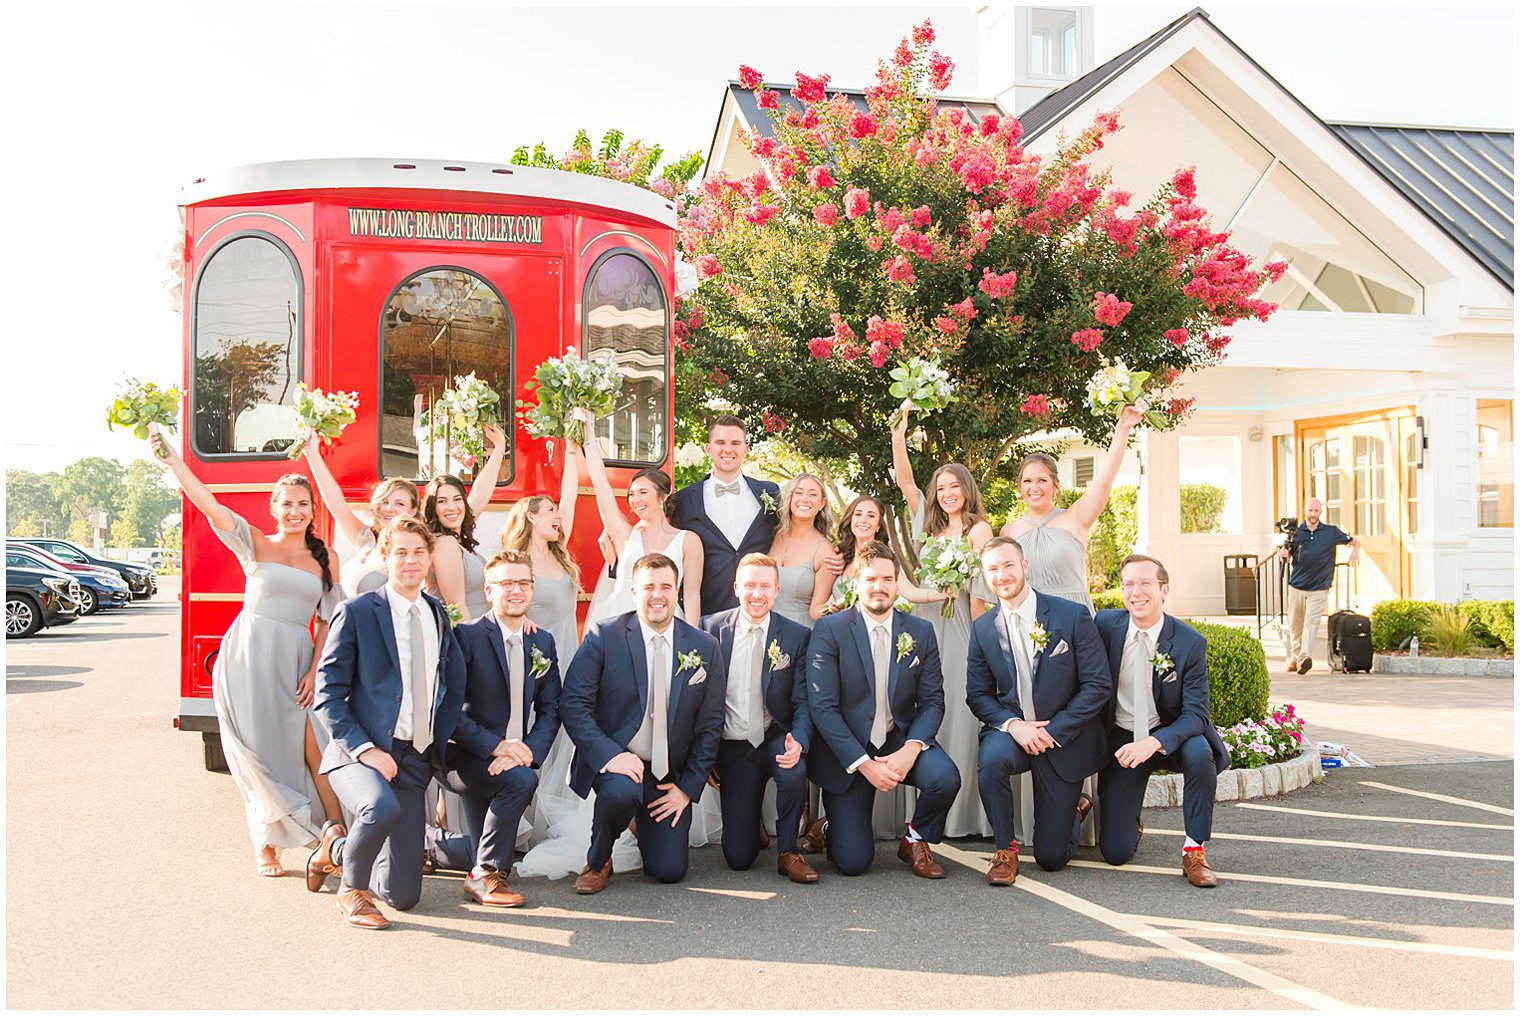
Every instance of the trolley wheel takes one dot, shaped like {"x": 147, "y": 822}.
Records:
{"x": 211, "y": 752}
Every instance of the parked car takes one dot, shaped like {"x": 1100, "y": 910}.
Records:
{"x": 98, "y": 587}
{"x": 36, "y": 597}
{"x": 160, "y": 558}
{"x": 139, "y": 578}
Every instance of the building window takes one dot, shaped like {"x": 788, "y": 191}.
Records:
{"x": 1082, "y": 472}
{"x": 625, "y": 312}
{"x": 1325, "y": 476}
{"x": 1284, "y": 473}
{"x": 1209, "y": 494}
{"x": 247, "y": 343}
{"x": 1369, "y": 483}
{"x": 439, "y": 324}
{"x": 1496, "y": 463}
{"x": 1052, "y": 43}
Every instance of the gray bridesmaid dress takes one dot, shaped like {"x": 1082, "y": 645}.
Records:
{"x": 262, "y": 657}
{"x": 795, "y": 599}
{"x": 474, "y": 583}
{"x": 365, "y": 571}
{"x": 553, "y": 610}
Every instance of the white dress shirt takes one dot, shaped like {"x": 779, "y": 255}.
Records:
{"x": 871, "y": 626}
{"x": 401, "y": 621}
{"x": 1136, "y": 666}
{"x": 642, "y": 743}
{"x": 732, "y": 513}
{"x": 738, "y": 704}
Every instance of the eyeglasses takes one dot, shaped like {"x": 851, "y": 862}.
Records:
{"x": 1139, "y": 584}
{"x": 512, "y": 583}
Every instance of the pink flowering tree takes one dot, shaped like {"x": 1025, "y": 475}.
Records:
{"x": 898, "y": 229}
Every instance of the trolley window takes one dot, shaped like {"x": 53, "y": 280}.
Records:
{"x": 247, "y": 329}
{"x": 440, "y": 324}
{"x": 625, "y": 311}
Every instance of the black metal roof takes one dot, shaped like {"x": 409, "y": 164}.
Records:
{"x": 1462, "y": 179}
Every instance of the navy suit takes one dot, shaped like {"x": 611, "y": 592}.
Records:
{"x": 1189, "y": 742}
{"x": 842, "y": 698}
{"x": 742, "y": 768}
{"x": 494, "y": 805}
{"x": 1072, "y": 687}
{"x": 605, "y": 700}
{"x": 720, "y": 559}
{"x": 358, "y": 700}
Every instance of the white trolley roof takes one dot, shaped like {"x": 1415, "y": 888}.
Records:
{"x": 429, "y": 174}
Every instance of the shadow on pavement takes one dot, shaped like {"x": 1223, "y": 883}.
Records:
{"x": 23, "y": 686}
{"x": 44, "y": 670}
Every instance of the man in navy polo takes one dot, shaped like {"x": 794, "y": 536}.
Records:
{"x": 1313, "y": 552}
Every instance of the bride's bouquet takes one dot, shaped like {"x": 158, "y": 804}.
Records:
{"x": 462, "y": 412}
{"x": 948, "y": 563}
{"x": 923, "y": 384}
{"x": 1115, "y": 386}
{"x": 320, "y": 414}
{"x": 566, "y": 383}
{"x": 142, "y": 403}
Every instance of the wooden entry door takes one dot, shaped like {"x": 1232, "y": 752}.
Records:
{"x": 1362, "y": 468}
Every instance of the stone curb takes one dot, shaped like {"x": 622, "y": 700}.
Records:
{"x": 1165, "y": 791}
{"x": 1444, "y": 666}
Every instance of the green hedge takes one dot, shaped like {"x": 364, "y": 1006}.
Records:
{"x": 1109, "y": 599}
{"x": 1393, "y": 621}
{"x": 1202, "y": 507}
{"x": 1238, "y": 680}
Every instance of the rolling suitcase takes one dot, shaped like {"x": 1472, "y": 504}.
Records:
{"x": 1350, "y": 636}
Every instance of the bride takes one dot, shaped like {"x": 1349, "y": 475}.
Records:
{"x": 563, "y": 851}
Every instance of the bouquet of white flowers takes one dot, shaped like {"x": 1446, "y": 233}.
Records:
{"x": 1115, "y": 386}
{"x": 462, "y": 413}
{"x": 947, "y": 563}
{"x": 142, "y": 403}
{"x": 566, "y": 383}
{"x": 923, "y": 384}
{"x": 323, "y": 415}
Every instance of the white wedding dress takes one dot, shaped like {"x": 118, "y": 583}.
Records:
{"x": 562, "y": 851}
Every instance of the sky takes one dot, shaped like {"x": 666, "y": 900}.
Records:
{"x": 113, "y": 108}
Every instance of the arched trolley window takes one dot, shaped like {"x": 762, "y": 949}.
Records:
{"x": 625, "y": 311}
{"x": 438, "y": 324}
{"x": 247, "y": 348}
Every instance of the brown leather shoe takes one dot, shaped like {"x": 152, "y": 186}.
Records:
{"x": 795, "y": 867}
{"x": 593, "y": 881}
{"x": 320, "y": 864}
{"x": 919, "y": 859}
{"x": 813, "y": 841}
{"x": 1084, "y": 806}
{"x": 1005, "y": 867}
{"x": 491, "y": 890}
{"x": 359, "y": 909}
{"x": 765, "y": 837}
{"x": 1304, "y": 664}
{"x": 1196, "y": 867}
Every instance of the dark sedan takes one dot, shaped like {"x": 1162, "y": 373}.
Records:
{"x": 36, "y": 598}
{"x": 98, "y": 587}
{"x": 139, "y": 577}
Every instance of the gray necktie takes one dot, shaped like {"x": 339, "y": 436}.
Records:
{"x": 719, "y": 489}
{"x": 1140, "y": 692}
{"x": 879, "y": 655}
{"x": 422, "y": 706}
{"x": 516, "y": 707}
{"x": 1024, "y": 667}
{"x": 756, "y": 691}
{"x": 659, "y": 696}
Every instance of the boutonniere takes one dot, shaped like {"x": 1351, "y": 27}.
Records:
{"x": 540, "y": 663}
{"x": 905, "y": 645}
{"x": 1039, "y": 637}
{"x": 778, "y": 658}
{"x": 452, "y": 612}
{"x": 1162, "y": 664}
{"x": 691, "y": 660}
{"x": 767, "y": 502}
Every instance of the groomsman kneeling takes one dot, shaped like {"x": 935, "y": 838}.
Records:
{"x": 877, "y": 700}
{"x": 643, "y": 702}
{"x": 511, "y": 677}
{"x": 766, "y": 726}
{"x": 389, "y": 690}
{"x": 1037, "y": 678}
{"x": 1159, "y": 713}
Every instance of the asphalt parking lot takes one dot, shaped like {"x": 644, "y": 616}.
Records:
{"x": 130, "y": 883}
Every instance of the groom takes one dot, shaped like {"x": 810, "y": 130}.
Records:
{"x": 643, "y": 702}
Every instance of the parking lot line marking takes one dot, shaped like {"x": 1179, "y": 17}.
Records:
{"x": 1251, "y": 931}
{"x": 1480, "y": 805}
{"x": 1140, "y": 928}
{"x": 1346, "y": 844}
{"x": 1307, "y": 883}
{"x": 1371, "y": 818}
{"x": 738, "y": 894}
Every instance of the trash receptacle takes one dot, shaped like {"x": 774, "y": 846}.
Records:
{"x": 1240, "y": 583}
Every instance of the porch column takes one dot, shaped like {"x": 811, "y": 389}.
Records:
{"x": 1447, "y": 488}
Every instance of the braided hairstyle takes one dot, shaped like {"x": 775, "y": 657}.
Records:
{"x": 314, "y": 543}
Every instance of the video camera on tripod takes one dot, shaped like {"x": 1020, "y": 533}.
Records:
{"x": 1288, "y": 526}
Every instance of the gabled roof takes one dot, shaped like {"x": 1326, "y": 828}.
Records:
{"x": 1462, "y": 179}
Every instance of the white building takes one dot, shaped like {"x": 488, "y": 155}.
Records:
{"x": 1384, "y": 385}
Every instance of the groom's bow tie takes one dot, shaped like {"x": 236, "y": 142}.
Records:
{"x": 726, "y": 488}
